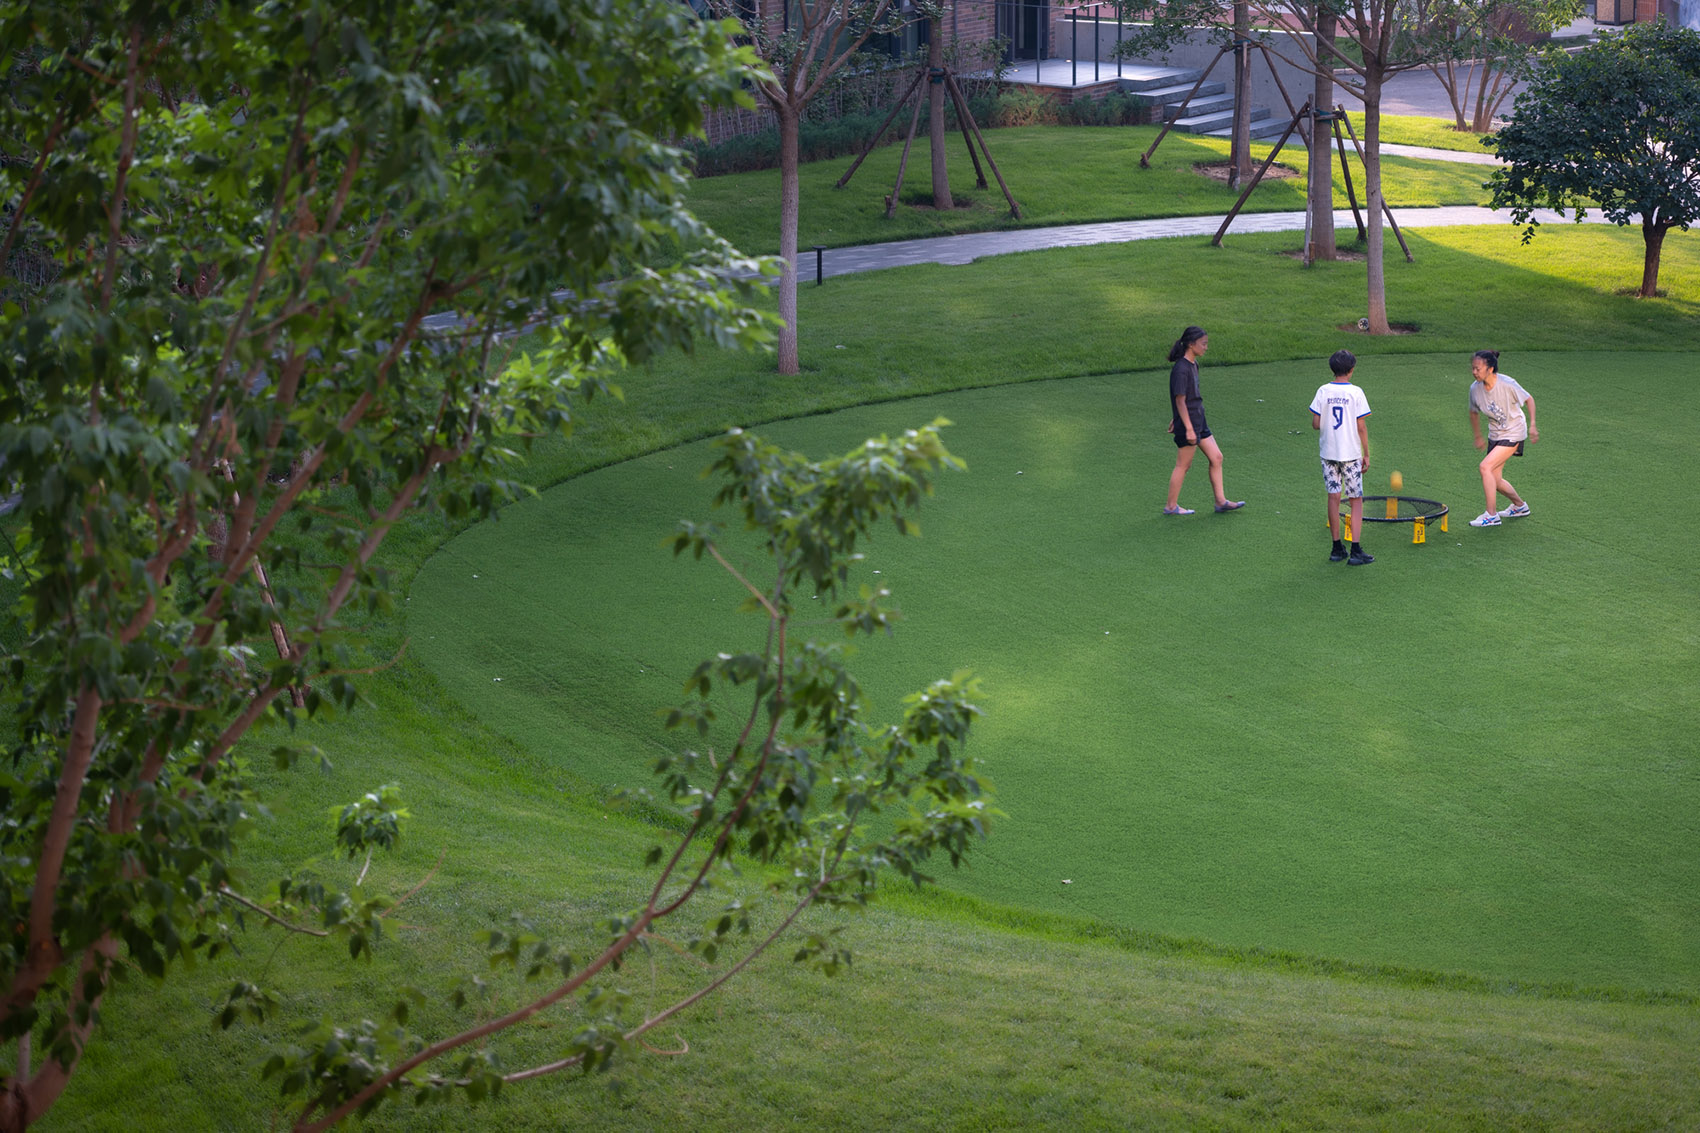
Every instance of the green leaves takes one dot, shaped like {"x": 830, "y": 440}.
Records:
{"x": 806, "y": 772}
{"x": 812, "y": 515}
{"x": 245, "y": 1002}
{"x": 371, "y": 822}
{"x": 1615, "y": 126}
{"x": 262, "y": 260}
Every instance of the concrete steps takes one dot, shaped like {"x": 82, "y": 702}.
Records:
{"x": 1159, "y": 89}
{"x": 1216, "y": 121}
{"x": 1201, "y": 104}
{"x": 1211, "y": 110}
{"x": 1263, "y": 129}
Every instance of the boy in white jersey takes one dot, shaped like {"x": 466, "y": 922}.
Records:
{"x": 1340, "y": 411}
{"x": 1502, "y": 401}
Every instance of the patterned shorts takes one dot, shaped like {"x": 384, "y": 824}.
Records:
{"x": 1344, "y": 476}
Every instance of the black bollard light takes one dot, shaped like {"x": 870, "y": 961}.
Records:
{"x": 819, "y": 248}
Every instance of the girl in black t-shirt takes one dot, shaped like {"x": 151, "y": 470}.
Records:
{"x": 1188, "y": 426}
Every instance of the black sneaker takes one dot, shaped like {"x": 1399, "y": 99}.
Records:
{"x": 1337, "y": 555}
{"x": 1360, "y": 557}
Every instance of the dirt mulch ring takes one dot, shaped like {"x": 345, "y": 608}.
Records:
{"x": 1392, "y": 328}
{"x": 1220, "y": 170}
{"x": 1355, "y": 257}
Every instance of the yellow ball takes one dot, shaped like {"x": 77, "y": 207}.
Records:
{"x": 1398, "y": 481}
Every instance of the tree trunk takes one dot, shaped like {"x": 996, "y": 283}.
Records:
{"x": 1320, "y": 195}
{"x": 788, "y": 116}
{"x": 1481, "y": 117}
{"x": 14, "y": 1108}
{"x": 935, "y": 116}
{"x": 1653, "y": 236}
{"x": 26, "y": 1097}
{"x": 1377, "y": 275}
{"x": 1239, "y": 168}
{"x": 1458, "y": 93}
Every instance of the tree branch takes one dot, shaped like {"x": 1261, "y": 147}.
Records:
{"x": 695, "y": 997}
{"x": 230, "y": 894}
{"x": 42, "y": 953}
{"x": 34, "y": 183}
{"x": 44, "y": 1088}
{"x": 126, "y": 155}
{"x": 454, "y": 1042}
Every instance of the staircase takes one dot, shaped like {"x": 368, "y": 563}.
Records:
{"x": 1211, "y": 111}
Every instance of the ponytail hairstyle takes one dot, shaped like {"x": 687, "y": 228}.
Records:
{"x": 1188, "y": 336}
{"x": 1491, "y": 357}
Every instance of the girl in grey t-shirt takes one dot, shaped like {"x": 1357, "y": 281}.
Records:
{"x": 1502, "y": 401}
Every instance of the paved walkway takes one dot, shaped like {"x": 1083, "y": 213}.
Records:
{"x": 973, "y": 246}
{"x": 965, "y": 249}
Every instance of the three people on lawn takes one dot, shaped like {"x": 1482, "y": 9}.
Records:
{"x": 1339, "y": 412}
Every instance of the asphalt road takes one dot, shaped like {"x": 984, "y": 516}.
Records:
{"x": 1419, "y": 93}
{"x": 1416, "y": 93}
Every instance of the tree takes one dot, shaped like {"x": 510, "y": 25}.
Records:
{"x": 1386, "y": 40}
{"x": 237, "y": 217}
{"x": 1319, "y": 169}
{"x": 1615, "y": 126}
{"x": 802, "y": 45}
{"x": 940, "y": 166}
{"x": 802, "y": 783}
{"x": 1488, "y": 48}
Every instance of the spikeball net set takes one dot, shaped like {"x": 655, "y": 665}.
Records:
{"x": 1415, "y": 510}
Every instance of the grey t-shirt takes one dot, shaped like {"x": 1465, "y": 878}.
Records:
{"x": 1503, "y": 408}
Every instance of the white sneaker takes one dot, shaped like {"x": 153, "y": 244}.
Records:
{"x": 1514, "y": 511}
{"x": 1486, "y": 519}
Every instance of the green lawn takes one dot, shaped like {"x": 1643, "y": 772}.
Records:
{"x": 965, "y": 1011}
{"x": 1435, "y": 133}
{"x": 1058, "y": 176}
{"x": 1475, "y": 757}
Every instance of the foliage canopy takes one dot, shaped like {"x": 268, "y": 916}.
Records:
{"x": 1616, "y": 126}
{"x": 261, "y": 260}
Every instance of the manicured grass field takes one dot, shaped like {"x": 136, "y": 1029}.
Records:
{"x": 1473, "y": 756}
{"x": 1435, "y": 133}
{"x": 962, "y": 1013}
{"x": 1059, "y": 176}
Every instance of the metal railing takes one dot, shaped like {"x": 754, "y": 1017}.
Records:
{"x": 1027, "y": 26}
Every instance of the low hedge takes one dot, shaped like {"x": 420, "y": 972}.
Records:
{"x": 840, "y": 137}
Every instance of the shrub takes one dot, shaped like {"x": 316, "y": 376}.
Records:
{"x": 1023, "y": 107}
{"x": 738, "y": 154}
{"x": 982, "y": 106}
{"x": 1114, "y": 109}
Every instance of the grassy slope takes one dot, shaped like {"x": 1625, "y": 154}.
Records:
{"x": 1048, "y": 1023}
{"x": 1211, "y": 731}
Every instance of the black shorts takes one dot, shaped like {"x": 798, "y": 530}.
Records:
{"x": 1180, "y": 435}
{"x": 1516, "y": 447}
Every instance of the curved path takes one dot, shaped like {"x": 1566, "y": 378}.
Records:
{"x": 971, "y": 246}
